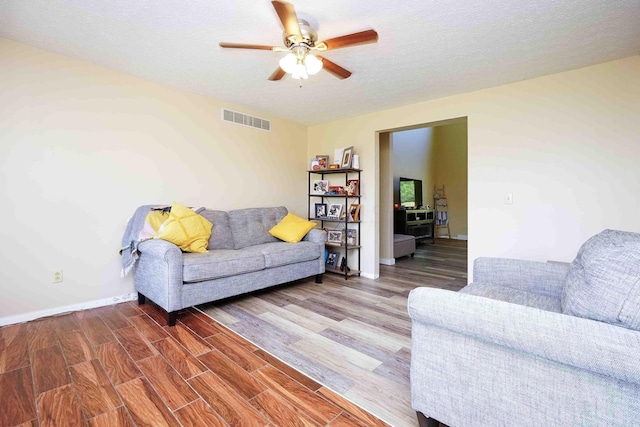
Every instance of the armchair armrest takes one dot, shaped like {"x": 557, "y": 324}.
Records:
{"x": 546, "y": 278}
{"x": 577, "y": 342}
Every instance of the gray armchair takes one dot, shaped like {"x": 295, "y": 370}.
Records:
{"x": 533, "y": 343}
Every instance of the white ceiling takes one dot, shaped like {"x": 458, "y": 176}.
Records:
{"x": 427, "y": 49}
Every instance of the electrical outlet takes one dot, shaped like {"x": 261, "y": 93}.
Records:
{"x": 57, "y": 276}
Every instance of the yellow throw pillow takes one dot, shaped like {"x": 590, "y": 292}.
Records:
{"x": 186, "y": 229}
{"x": 292, "y": 228}
{"x": 156, "y": 218}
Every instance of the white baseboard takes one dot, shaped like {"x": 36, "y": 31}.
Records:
{"x": 458, "y": 237}
{"x": 25, "y": 317}
{"x": 369, "y": 276}
{"x": 387, "y": 261}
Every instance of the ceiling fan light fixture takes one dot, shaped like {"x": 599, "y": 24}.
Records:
{"x": 300, "y": 71}
{"x": 313, "y": 64}
{"x": 299, "y": 63}
{"x": 288, "y": 63}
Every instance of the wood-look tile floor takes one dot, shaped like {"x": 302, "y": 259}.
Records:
{"x": 122, "y": 366}
{"x": 353, "y": 336}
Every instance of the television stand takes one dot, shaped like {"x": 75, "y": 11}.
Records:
{"x": 414, "y": 222}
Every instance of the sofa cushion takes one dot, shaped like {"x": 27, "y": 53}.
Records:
{"x": 603, "y": 280}
{"x": 251, "y": 226}
{"x": 291, "y": 228}
{"x": 219, "y": 263}
{"x": 283, "y": 253}
{"x": 186, "y": 229}
{"x": 630, "y": 313}
{"x": 513, "y": 295}
{"x": 604, "y": 284}
{"x": 221, "y": 235}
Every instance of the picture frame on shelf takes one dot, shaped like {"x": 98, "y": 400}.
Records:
{"x": 320, "y": 186}
{"x": 321, "y": 210}
{"x": 353, "y": 187}
{"x": 355, "y": 161}
{"x": 346, "y": 157}
{"x": 335, "y": 236}
{"x": 352, "y": 237}
{"x": 323, "y": 161}
{"x": 337, "y": 156}
{"x": 332, "y": 260}
{"x": 336, "y": 190}
{"x": 354, "y": 212}
{"x": 334, "y": 211}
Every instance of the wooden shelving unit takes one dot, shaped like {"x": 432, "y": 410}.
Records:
{"x": 348, "y": 251}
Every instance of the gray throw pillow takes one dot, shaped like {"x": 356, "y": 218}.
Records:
{"x": 604, "y": 280}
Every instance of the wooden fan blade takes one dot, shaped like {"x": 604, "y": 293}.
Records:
{"x": 287, "y": 14}
{"x": 334, "y": 68}
{"x": 363, "y": 37}
{"x": 247, "y": 46}
{"x": 277, "y": 74}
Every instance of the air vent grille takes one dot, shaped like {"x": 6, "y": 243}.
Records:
{"x": 245, "y": 120}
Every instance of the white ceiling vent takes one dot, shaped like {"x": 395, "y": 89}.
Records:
{"x": 245, "y": 120}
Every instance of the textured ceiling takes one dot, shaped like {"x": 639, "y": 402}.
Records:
{"x": 427, "y": 49}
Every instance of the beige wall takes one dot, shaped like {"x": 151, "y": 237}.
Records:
{"x": 565, "y": 145}
{"x": 450, "y": 144}
{"x": 414, "y": 157}
{"x": 386, "y": 190}
{"x": 82, "y": 146}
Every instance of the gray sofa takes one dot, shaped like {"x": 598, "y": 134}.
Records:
{"x": 533, "y": 343}
{"x": 242, "y": 257}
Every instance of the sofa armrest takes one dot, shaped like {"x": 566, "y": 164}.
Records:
{"x": 316, "y": 236}
{"x": 546, "y": 278}
{"x": 158, "y": 273}
{"x": 161, "y": 249}
{"x": 577, "y": 342}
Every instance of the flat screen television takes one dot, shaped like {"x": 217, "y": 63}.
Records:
{"x": 410, "y": 192}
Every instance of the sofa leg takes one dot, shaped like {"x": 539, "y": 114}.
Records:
{"x": 172, "y": 317}
{"x": 141, "y": 299}
{"x": 318, "y": 278}
{"x": 424, "y": 421}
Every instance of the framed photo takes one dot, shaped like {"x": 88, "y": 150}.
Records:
{"x": 323, "y": 161}
{"x": 354, "y": 211}
{"x": 334, "y": 211}
{"x": 336, "y": 189}
{"x": 352, "y": 237}
{"x": 334, "y": 236}
{"x": 346, "y": 157}
{"x": 321, "y": 210}
{"x": 337, "y": 156}
{"x": 320, "y": 186}
{"x": 353, "y": 187}
{"x": 332, "y": 260}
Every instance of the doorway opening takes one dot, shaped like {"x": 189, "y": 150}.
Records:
{"x": 435, "y": 156}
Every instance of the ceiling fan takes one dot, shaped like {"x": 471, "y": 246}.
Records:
{"x": 300, "y": 39}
